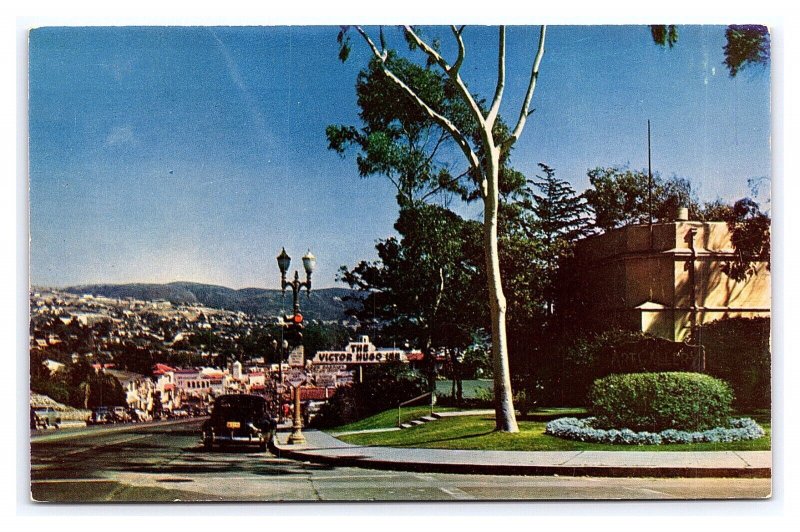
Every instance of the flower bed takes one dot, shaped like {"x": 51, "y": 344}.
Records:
{"x": 583, "y": 430}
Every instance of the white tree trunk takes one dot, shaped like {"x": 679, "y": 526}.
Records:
{"x": 505, "y": 417}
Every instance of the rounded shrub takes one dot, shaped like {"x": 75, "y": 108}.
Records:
{"x": 654, "y": 402}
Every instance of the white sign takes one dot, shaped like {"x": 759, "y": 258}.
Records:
{"x": 297, "y": 356}
{"x": 326, "y": 380}
{"x": 330, "y": 368}
{"x": 296, "y": 377}
{"x": 363, "y": 352}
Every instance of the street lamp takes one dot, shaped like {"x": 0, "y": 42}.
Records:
{"x": 309, "y": 262}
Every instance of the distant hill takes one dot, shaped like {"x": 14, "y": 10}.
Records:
{"x": 324, "y": 304}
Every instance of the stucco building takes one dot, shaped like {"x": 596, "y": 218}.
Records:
{"x": 662, "y": 279}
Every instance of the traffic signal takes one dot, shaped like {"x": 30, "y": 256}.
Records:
{"x": 294, "y": 329}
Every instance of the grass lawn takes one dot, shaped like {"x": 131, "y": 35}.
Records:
{"x": 477, "y": 433}
{"x": 388, "y": 418}
{"x": 471, "y": 388}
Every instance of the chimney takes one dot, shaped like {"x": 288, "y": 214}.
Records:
{"x": 682, "y": 214}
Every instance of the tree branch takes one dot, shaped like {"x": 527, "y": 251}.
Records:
{"x": 451, "y": 128}
{"x": 461, "y": 50}
{"x": 523, "y": 114}
{"x": 379, "y": 54}
{"x": 443, "y": 185}
{"x": 450, "y": 71}
{"x": 501, "y": 79}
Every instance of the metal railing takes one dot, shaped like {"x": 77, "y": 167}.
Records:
{"x": 412, "y": 400}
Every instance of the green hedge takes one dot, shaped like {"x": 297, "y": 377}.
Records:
{"x": 738, "y": 352}
{"x": 658, "y": 401}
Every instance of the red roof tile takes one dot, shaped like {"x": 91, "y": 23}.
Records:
{"x": 160, "y": 369}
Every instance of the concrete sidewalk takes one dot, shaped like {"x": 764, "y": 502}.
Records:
{"x": 323, "y": 448}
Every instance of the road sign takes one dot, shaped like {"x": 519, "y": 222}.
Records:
{"x": 326, "y": 380}
{"x": 297, "y": 357}
{"x": 296, "y": 377}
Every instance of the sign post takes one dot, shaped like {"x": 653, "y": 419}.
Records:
{"x": 297, "y": 357}
{"x": 296, "y": 377}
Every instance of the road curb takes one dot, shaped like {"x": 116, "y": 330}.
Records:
{"x": 523, "y": 469}
{"x": 82, "y": 432}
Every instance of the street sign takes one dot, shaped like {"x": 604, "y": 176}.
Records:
{"x": 333, "y": 369}
{"x": 326, "y": 380}
{"x": 297, "y": 357}
{"x": 296, "y": 377}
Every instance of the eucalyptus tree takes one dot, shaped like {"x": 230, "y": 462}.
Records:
{"x": 479, "y": 135}
{"x": 484, "y": 153}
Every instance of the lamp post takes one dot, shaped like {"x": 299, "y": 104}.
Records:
{"x": 280, "y": 350}
{"x": 284, "y": 261}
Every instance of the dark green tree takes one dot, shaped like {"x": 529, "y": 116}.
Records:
{"x": 426, "y": 287}
{"x": 620, "y": 196}
{"x": 746, "y": 45}
{"x": 556, "y": 216}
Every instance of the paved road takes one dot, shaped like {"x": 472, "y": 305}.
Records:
{"x": 166, "y": 463}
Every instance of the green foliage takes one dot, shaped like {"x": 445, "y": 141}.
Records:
{"x": 319, "y": 337}
{"x": 426, "y": 289}
{"x": 738, "y": 351}
{"x": 384, "y": 386}
{"x": 658, "y": 401}
{"x": 477, "y": 433}
{"x": 554, "y": 217}
{"x": 52, "y": 387}
{"x": 580, "y": 360}
{"x": 750, "y": 236}
{"x": 344, "y": 43}
{"x": 664, "y": 35}
{"x": 136, "y": 359}
{"x": 477, "y": 361}
{"x": 100, "y": 389}
{"x": 746, "y": 46}
{"x": 619, "y": 197}
{"x": 750, "y": 233}
{"x": 77, "y": 385}
{"x": 397, "y": 139}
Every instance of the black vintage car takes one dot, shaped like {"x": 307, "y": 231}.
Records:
{"x": 239, "y": 420}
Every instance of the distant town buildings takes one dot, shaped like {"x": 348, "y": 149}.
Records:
{"x": 100, "y": 329}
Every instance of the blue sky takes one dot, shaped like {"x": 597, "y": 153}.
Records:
{"x": 161, "y": 154}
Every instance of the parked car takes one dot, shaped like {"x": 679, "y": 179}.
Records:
{"x": 239, "y": 420}
{"x": 121, "y": 414}
{"x": 102, "y": 415}
{"x": 45, "y": 417}
{"x": 136, "y": 415}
